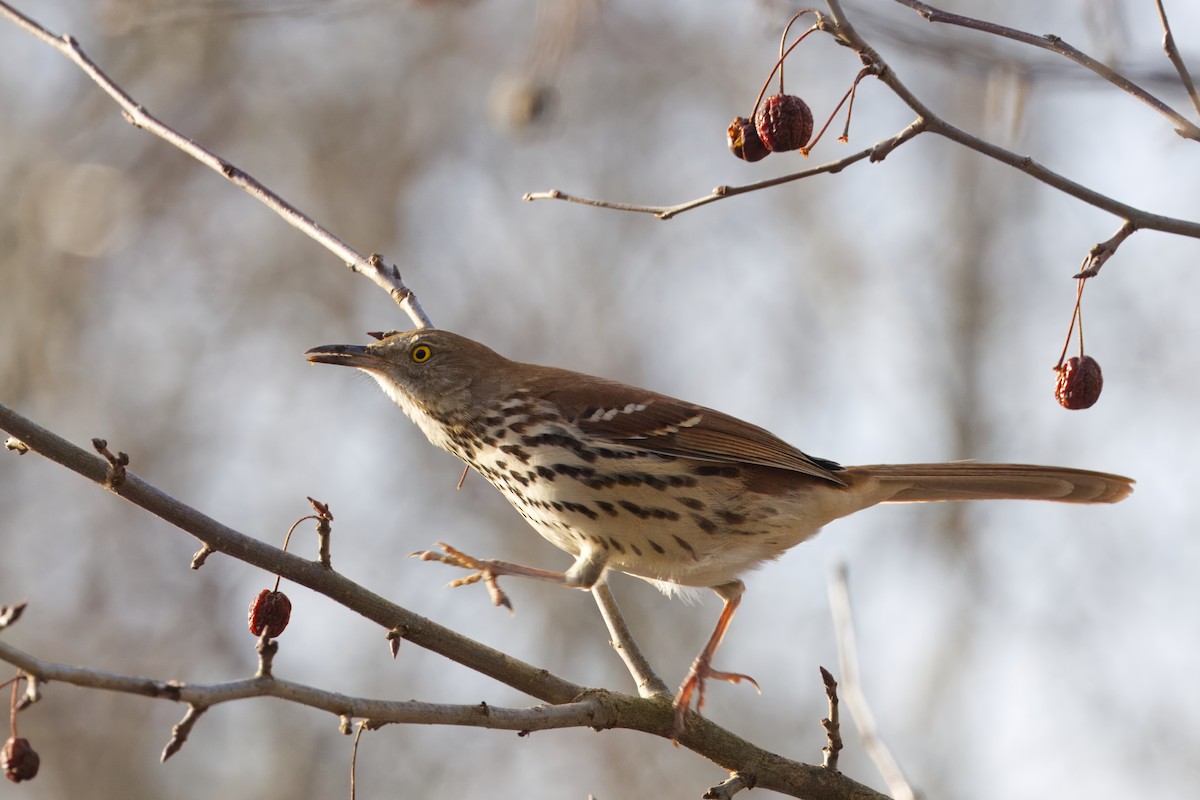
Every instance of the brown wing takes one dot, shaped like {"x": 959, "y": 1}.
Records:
{"x": 672, "y": 427}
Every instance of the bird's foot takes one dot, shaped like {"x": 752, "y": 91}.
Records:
{"x": 694, "y": 684}
{"x": 486, "y": 571}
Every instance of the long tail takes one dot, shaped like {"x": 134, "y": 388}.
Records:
{"x": 916, "y": 483}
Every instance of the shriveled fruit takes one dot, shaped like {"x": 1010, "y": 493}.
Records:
{"x": 19, "y": 760}
{"x": 1078, "y": 382}
{"x": 269, "y": 610}
{"x": 784, "y": 122}
{"x": 744, "y": 142}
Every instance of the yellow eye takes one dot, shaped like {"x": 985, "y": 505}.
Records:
{"x": 421, "y": 353}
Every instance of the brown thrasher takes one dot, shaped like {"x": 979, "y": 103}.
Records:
{"x": 627, "y": 479}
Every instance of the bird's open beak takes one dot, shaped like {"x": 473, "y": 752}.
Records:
{"x": 348, "y": 355}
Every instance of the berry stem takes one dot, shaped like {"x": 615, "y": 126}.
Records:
{"x": 12, "y": 708}
{"x": 779, "y": 64}
{"x": 845, "y": 137}
{"x": 1077, "y": 314}
{"x": 288, "y": 538}
{"x": 783, "y": 42}
{"x": 849, "y": 95}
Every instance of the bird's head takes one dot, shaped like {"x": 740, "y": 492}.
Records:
{"x": 426, "y": 371}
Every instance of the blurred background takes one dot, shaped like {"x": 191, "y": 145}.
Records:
{"x": 904, "y": 311}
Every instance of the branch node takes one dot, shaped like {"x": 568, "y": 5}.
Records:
{"x": 727, "y": 788}
{"x": 32, "y": 693}
{"x": 201, "y": 556}
{"x": 394, "y": 637}
{"x": 116, "y": 464}
{"x": 267, "y": 648}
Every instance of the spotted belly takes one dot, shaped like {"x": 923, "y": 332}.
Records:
{"x": 669, "y": 520}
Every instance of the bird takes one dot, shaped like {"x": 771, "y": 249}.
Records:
{"x": 627, "y": 479}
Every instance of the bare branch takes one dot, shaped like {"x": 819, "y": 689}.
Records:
{"x": 1176, "y": 59}
{"x": 648, "y": 682}
{"x": 838, "y": 25}
{"x": 592, "y": 710}
{"x": 181, "y": 730}
{"x": 372, "y": 266}
{"x": 1184, "y": 126}
{"x": 423, "y": 632}
{"x": 877, "y": 152}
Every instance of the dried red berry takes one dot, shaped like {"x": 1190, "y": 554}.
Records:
{"x": 744, "y": 142}
{"x": 784, "y": 122}
{"x": 1079, "y": 383}
{"x": 19, "y": 760}
{"x": 269, "y": 610}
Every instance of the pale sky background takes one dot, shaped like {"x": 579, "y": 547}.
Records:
{"x": 903, "y": 311}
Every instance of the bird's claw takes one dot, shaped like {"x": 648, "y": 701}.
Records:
{"x": 694, "y": 684}
{"x": 484, "y": 571}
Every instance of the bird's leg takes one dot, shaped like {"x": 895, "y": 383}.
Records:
{"x": 583, "y": 574}
{"x": 702, "y": 668}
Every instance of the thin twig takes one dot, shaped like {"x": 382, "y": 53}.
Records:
{"x": 647, "y": 681}
{"x": 180, "y": 731}
{"x": 1103, "y": 251}
{"x": 1176, "y": 59}
{"x": 324, "y": 533}
{"x": 877, "y": 152}
{"x": 591, "y": 710}
{"x": 852, "y": 693}
{"x": 832, "y": 724}
{"x": 385, "y": 276}
{"x": 1055, "y": 44}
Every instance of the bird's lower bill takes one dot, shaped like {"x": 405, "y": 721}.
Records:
{"x": 347, "y": 355}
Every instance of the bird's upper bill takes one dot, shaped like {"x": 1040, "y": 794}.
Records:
{"x": 348, "y": 355}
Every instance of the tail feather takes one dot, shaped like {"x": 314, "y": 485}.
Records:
{"x": 965, "y": 480}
